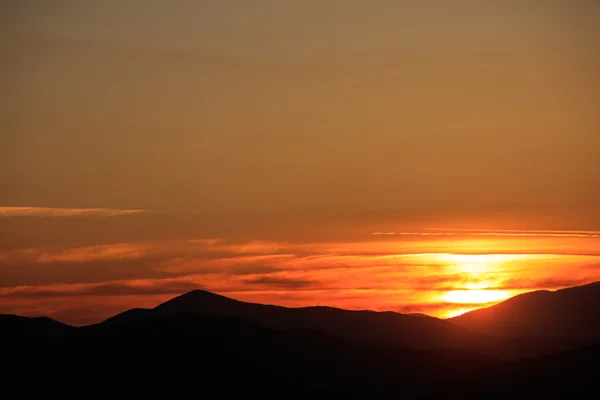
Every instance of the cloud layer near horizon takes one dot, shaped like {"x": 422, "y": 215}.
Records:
{"x": 437, "y": 275}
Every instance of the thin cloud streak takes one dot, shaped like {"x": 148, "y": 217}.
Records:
{"x": 65, "y": 212}
{"x": 590, "y": 234}
{"x": 510, "y": 232}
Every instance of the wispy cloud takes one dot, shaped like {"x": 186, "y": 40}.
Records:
{"x": 551, "y": 283}
{"x": 109, "y": 288}
{"x": 284, "y": 283}
{"x": 64, "y": 212}
{"x": 511, "y": 232}
{"x": 96, "y": 253}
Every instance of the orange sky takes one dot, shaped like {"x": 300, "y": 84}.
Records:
{"x": 441, "y": 272}
{"x": 264, "y": 150}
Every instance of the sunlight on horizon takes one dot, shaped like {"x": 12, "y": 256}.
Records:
{"x": 459, "y": 312}
{"x": 475, "y": 296}
{"x": 479, "y": 285}
{"x": 404, "y": 276}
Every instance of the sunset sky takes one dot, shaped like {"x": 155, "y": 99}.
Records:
{"x": 414, "y": 156}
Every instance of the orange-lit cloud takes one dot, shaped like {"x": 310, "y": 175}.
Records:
{"x": 94, "y": 253}
{"x": 64, "y": 212}
{"x": 505, "y": 232}
{"x": 512, "y": 232}
{"x": 438, "y": 275}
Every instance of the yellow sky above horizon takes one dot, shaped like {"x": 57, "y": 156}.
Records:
{"x": 132, "y": 129}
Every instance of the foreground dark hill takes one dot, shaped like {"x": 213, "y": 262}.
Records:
{"x": 572, "y": 312}
{"x": 569, "y": 374}
{"x": 226, "y": 354}
{"x": 229, "y": 355}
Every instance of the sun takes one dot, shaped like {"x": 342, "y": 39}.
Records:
{"x": 475, "y": 296}
{"x": 458, "y": 312}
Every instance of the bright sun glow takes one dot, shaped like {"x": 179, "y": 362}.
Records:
{"x": 458, "y": 312}
{"x": 475, "y": 296}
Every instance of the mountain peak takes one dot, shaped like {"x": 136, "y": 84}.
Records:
{"x": 200, "y": 292}
{"x": 203, "y": 295}
{"x": 569, "y": 312}
{"x": 196, "y": 301}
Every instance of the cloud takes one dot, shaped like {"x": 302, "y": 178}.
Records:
{"x": 95, "y": 253}
{"x": 115, "y": 288}
{"x": 591, "y": 266}
{"x": 513, "y": 232}
{"x": 545, "y": 283}
{"x": 206, "y": 242}
{"x": 404, "y": 274}
{"x": 284, "y": 283}
{"x": 413, "y": 234}
{"x": 241, "y": 265}
{"x": 64, "y": 212}
{"x": 26, "y": 273}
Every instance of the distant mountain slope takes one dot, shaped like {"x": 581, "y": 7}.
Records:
{"x": 228, "y": 354}
{"x": 572, "y": 312}
{"x": 526, "y": 326}
{"x": 387, "y": 328}
{"x": 14, "y": 325}
{"x": 362, "y": 326}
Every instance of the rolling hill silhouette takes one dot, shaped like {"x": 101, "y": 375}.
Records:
{"x": 201, "y": 339}
{"x": 388, "y": 328}
{"x": 571, "y": 312}
{"x": 228, "y": 354}
{"x": 362, "y": 326}
{"x": 380, "y": 328}
{"x": 232, "y": 355}
{"x": 15, "y": 326}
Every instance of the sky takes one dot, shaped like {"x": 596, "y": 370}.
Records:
{"x": 410, "y": 156}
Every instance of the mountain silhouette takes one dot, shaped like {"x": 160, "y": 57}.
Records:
{"x": 415, "y": 331}
{"x": 15, "y": 325}
{"x": 201, "y": 339}
{"x": 229, "y": 355}
{"x": 375, "y": 328}
{"x": 362, "y": 326}
{"x": 561, "y": 374}
{"x": 232, "y": 355}
{"x": 571, "y": 312}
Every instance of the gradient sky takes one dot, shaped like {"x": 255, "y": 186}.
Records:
{"x": 261, "y": 148}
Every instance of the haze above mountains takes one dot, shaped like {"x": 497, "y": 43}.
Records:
{"x": 321, "y": 347}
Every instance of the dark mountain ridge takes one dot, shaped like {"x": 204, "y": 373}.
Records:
{"x": 232, "y": 355}
{"x": 228, "y": 354}
{"x": 390, "y": 328}
{"x": 204, "y": 339}
{"x": 363, "y": 326}
{"x": 15, "y": 325}
{"x": 571, "y": 312}
{"x": 383, "y": 328}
